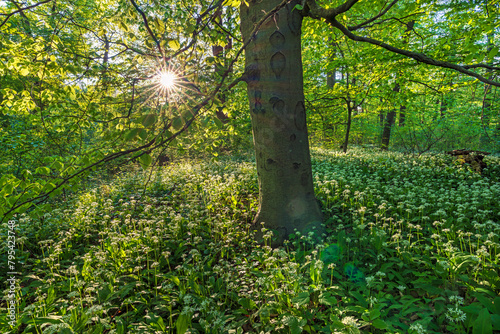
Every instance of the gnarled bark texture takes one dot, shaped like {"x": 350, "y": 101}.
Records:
{"x": 276, "y": 97}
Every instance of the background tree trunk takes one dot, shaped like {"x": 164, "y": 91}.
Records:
{"x": 218, "y": 52}
{"x": 347, "y": 126}
{"x": 389, "y": 122}
{"x": 402, "y": 115}
{"x": 276, "y": 97}
{"x": 386, "y": 132}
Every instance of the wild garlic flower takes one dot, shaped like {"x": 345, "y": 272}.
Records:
{"x": 455, "y": 314}
{"x": 457, "y": 300}
{"x": 350, "y": 322}
{"x": 417, "y": 328}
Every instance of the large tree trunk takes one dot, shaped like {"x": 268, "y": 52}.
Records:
{"x": 275, "y": 91}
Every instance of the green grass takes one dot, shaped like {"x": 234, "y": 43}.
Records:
{"x": 412, "y": 247}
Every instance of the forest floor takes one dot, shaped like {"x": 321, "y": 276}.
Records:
{"x": 412, "y": 246}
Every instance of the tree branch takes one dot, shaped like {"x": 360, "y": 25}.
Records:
{"x": 145, "y": 19}
{"x": 316, "y": 11}
{"x": 359, "y": 26}
{"x": 422, "y": 58}
{"x": 20, "y": 10}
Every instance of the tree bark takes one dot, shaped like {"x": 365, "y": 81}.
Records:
{"x": 485, "y": 113}
{"x": 347, "y": 126}
{"x": 442, "y": 107}
{"x": 402, "y": 115}
{"x": 276, "y": 97}
{"x": 386, "y": 133}
{"x": 389, "y": 122}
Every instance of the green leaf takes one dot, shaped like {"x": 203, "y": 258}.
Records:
{"x": 327, "y": 299}
{"x": 143, "y": 133}
{"x": 182, "y": 323}
{"x": 131, "y": 134}
{"x": 58, "y": 165}
{"x": 24, "y": 72}
{"x": 43, "y": 170}
{"x": 176, "y": 280}
{"x": 148, "y": 120}
{"x": 483, "y": 325}
{"x": 301, "y": 299}
{"x": 123, "y": 26}
{"x": 219, "y": 123}
{"x": 485, "y": 302}
{"x": 247, "y": 303}
{"x": 294, "y": 324}
{"x": 374, "y": 314}
{"x": 145, "y": 160}
{"x": 492, "y": 53}
{"x": 362, "y": 301}
{"x": 379, "y": 324}
{"x": 232, "y": 3}
{"x": 8, "y": 188}
{"x": 120, "y": 326}
{"x": 469, "y": 58}
{"x": 174, "y": 45}
{"x": 496, "y": 302}
{"x": 178, "y": 123}
{"x": 495, "y": 321}
{"x": 331, "y": 254}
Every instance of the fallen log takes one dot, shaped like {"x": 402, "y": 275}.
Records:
{"x": 471, "y": 157}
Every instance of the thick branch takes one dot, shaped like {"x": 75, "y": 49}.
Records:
{"x": 316, "y": 11}
{"x": 422, "y": 58}
{"x": 486, "y": 66}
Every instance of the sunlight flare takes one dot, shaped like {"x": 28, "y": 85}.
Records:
{"x": 167, "y": 80}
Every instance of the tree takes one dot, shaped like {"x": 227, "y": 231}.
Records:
{"x": 275, "y": 90}
{"x": 274, "y": 77}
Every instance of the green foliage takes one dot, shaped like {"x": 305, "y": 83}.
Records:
{"x": 172, "y": 252}
{"x": 79, "y": 88}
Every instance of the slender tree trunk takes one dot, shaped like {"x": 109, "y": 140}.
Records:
{"x": 386, "y": 132}
{"x": 389, "y": 122}
{"x": 442, "y": 107}
{"x": 276, "y": 97}
{"x": 347, "y": 127}
{"x": 402, "y": 115}
{"x": 381, "y": 114}
{"x": 402, "y": 108}
{"x": 218, "y": 52}
{"x": 330, "y": 79}
{"x": 485, "y": 114}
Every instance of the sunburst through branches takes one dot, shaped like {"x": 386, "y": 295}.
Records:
{"x": 166, "y": 82}
{"x": 169, "y": 91}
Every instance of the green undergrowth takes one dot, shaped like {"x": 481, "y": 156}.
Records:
{"x": 411, "y": 247}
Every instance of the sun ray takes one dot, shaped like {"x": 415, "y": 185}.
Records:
{"x": 167, "y": 80}
{"x": 166, "y": 87}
